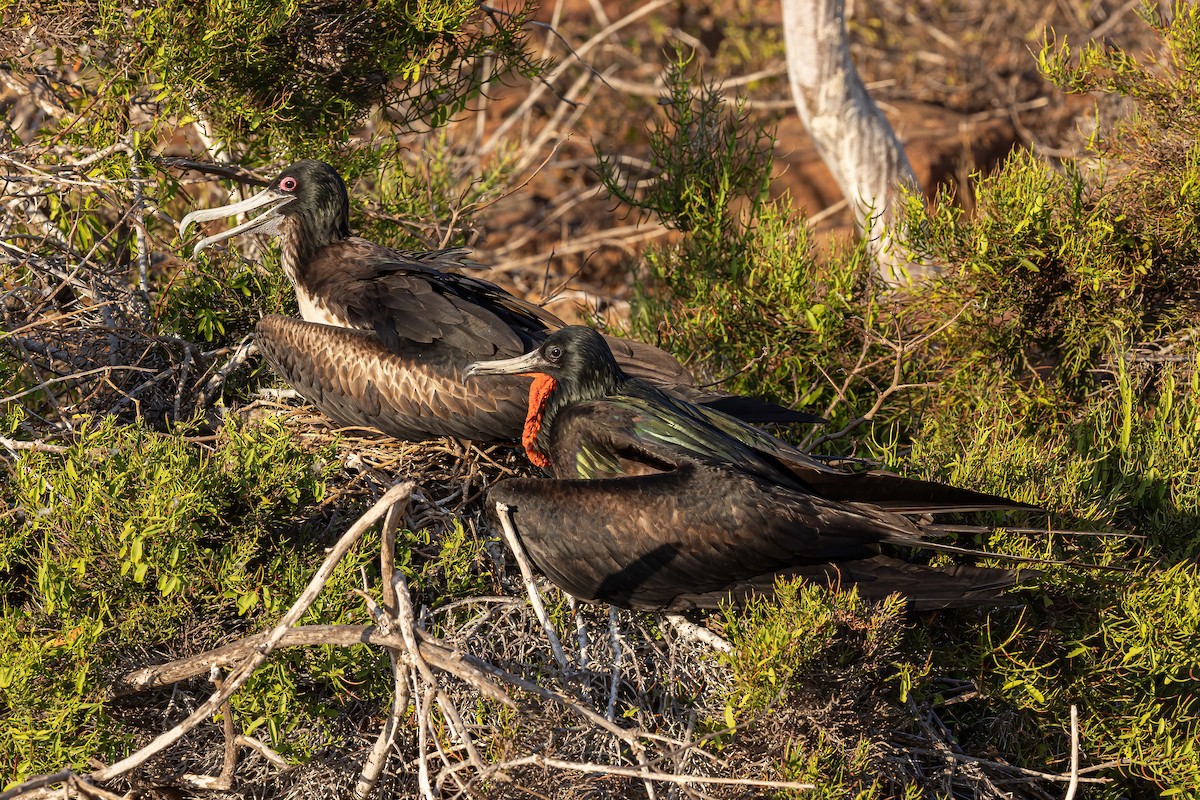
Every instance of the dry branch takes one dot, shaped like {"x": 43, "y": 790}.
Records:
{"x": 243, "y": 672}
{"x": 663, "y": 777}
{"x": 535, "y": 597}
{"x": 401, "y": 695}
{"x": 437, "y": 653}
{"x": 852, "y": 135}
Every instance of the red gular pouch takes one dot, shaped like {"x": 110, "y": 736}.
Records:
{"x": 539, "y": 392}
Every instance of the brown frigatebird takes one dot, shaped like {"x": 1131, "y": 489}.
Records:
{"x": 386, "y": 334}
{"x": 657, "y": 503}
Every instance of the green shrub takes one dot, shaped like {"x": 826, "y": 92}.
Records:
{"x": 1063, "y": 373}
{"x": 294, "y": 78}
{"x": 1118, "y": 645}
{"x": 125, "y": 540}
{"x": 743, "y": 294}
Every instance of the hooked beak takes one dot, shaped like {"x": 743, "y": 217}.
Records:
{"x": 521, "y": 365}
{"x": 266, "y": 222}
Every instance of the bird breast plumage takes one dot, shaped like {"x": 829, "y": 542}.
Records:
{"x": 313, "y": 309}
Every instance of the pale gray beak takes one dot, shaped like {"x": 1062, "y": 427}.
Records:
{"x": 266, "y": 222}
{"x": 521, "y": 365}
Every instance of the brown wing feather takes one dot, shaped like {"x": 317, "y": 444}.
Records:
{"x": 407, "y": 297}
{"x": 406, "y": 300}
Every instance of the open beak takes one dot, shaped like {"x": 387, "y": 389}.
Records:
{"x": 266, "y": 222}
{"x": 521, "y": 365}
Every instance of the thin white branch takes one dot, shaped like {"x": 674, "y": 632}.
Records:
{"x": 614, "y": 634}
{"x": 662, "y": 777}
{"x": 581, "y": 632}
{"x": 535, "y": 597}
{"x": 1074, "y": 785}
{"x": 690, "y": 630}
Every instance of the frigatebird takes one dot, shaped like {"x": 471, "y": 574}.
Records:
{"x": 657, "y": 503}
{"x": 386, "y": 334}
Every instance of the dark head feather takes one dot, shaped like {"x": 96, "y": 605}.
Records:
{"x": 581, "y": 362}
{"x": 322, "y": 204}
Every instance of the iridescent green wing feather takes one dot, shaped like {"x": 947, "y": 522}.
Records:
{"x": 633, "y": 435}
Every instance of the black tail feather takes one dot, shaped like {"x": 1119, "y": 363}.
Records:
{"x": 902, "y": 495}
{"x": 751, "y": 409}
{"x": 957, "y": 529}
{"x": 941, "y": 547}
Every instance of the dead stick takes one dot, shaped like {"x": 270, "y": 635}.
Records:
{"x": 690, "y": 630}
{"x": 377, "y": 758}
{"x": 240, "y": 355}
{"x": 663, "y": 777}
{"x": 535, "y": 598}
{"x": 406, "y": 620}
{"x": 1074, "y": 785}
{"x": 263, "y": 750}
{"x": 439, "y": 655}
{"x": 581, "y": 632}
{"x": 231, "y": 751}
{"x": 614, "y": 635}
{"x": 40, "y": 784}
{"x": 423, "y": 744}
{"x": 983, "y": 762}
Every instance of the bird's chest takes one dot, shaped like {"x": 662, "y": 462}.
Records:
{"x": 313, "y": 308}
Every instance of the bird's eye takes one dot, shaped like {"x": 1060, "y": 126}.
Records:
{"x": 553, "y": 352}
{"x": 288, "y": 184}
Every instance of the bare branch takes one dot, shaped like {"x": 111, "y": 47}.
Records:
{"x": 243, "y": 672}
{"x": 852, "y": 135}
{"x": 535, "y": 597}
{"x": 1074, "y": 785}
{"x": 661, "y": 777}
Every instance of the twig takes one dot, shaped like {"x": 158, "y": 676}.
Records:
{"x": 614, "y": 634}
{"x": 535, "y": 598}
{"x": 38, "y": 446}
{"x": 231, "y": 755}
{"x": 581, "y": 632}
{"x": 622, "y": 237}
{"x": 401, "y": 694}
{"x": 899, "y": 350}
{"x": 690, "y": 630}
{"x": 239, "y": 174}
{"x": 406, "y": 621}
{"x": 435, "y": 652}
{"x": 183, "y": 378}
{"x": 263, "y": 750}
{"x": 1074, "y": 785}
{"x": 423, "y": 745}
{"x": 39, "y": 783}
{"x": 243, "y": 351}
{"x": 139, "y": 228}
{"x": 76, "y": 375}
{"x": 1046, "y": 776}
{"x": 662, "y": 777}
{"x": 536, "y": 92}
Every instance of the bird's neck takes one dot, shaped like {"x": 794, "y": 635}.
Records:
{"x": 547, "y": 398}
{"x": 293, "y": 253}
{"x": 299, "y": 248}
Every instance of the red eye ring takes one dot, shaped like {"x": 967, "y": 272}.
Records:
{"x": 287, "y": 184}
